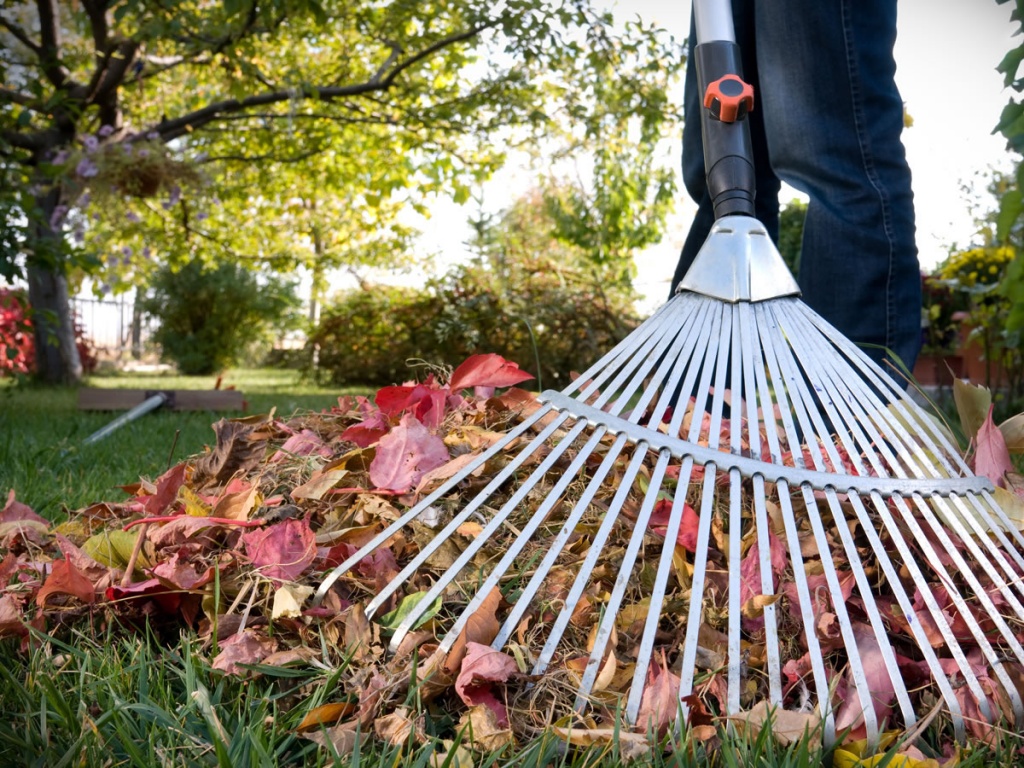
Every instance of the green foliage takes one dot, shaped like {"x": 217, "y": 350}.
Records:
{"x": 791, "y": 233}
{"x": 371, "y": 336}
{"x": 210, "y": 316}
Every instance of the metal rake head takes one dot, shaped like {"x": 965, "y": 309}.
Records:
{"x": 737, "y": 495}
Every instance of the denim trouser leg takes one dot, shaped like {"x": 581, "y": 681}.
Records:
{"x": 832, "y": 121}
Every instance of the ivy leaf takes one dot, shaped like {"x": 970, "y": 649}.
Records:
{"x": 409, "y": 603}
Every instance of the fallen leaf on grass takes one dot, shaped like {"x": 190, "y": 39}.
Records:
{"x": 483, "y": 731}
{"x": 397, "y": 727}
{"x": 114, "y": 548}
{"x": 659, "y": 705}
{"x": 340, "y": 739}
{"x": 282, "y": 551}
{"x": 65, "y": 579}
{"x": 393, "y": 619}
{"x": 850, "y": 713}
{"x": 786, "y": 726}
{"x": 482, "y": 627}
{"x": 288, "y": 600}
{"x": 973, "y": 403}
{"x": 11, "y": 617}
{"x": 236, "y": 452}
{"x": 482, "y": 668}
{"x": 1013, "y": 433}
{"x": 305, "y": 442}
{"x": 326, "y": 714}
{"x": 318, "y": 485}
{"x": 246, "y": 647}
{"x": 405, "y": 454}
{"x": 631, "y": 746}
{"x": 488, "y": 370}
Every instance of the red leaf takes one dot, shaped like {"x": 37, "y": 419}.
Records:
{"x": 851, "y": 711}
{"x": 304, "y": 443}
{"x": 687, "y": 536}
{"x": 65, "y": 579}
{"x": 659, "y": 705}
{"x": 169, "y": 599}
{"x": 405, "y": 454}
{"x": 992, "y": 458}
{"x": 12, "y": 618}
{"x": 245, "y": 647}
{"x": 178, "y": 572}
{"x": 167, "y": 486}
{"x": 282, "y": 551}
{"x": 15, "y": 511}
{"x": 481, "y": 668}
{"x": 487, "y": 371}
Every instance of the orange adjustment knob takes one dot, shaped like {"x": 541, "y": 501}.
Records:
{"x": 729, "y": 99}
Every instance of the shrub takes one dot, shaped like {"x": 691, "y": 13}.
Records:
{"x": 210, "y": 316}
{"x": 17, "y": 339}
{"x": 530, "y": 313}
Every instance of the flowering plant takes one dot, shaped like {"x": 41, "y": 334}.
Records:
{"x": 942, "y": 307}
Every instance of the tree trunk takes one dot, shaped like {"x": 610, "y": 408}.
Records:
{"x": 57, "y": 360}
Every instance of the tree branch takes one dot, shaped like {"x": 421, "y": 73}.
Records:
{"x": 49, "y": 53}
{"x": 21, "y": 36}
{"x": 172, "y": 129}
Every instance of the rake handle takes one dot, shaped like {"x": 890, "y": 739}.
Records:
{"x": 728, "y": 154}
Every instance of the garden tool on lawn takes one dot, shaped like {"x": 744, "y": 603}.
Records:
{"x": 735, "y": 494}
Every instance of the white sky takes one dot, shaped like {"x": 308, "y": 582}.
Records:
{"x": 946, "y": 54}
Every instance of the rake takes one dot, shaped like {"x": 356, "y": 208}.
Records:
{"x": 739, "y": 422}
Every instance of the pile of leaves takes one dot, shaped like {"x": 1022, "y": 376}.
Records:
{"x": 234, "y": 542}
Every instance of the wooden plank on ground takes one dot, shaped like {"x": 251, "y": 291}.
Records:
{"x": 96, "y": 399}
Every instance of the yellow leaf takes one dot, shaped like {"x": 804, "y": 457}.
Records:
{"x": 327, "y": 714}
{"x": 481, "y": 730}
{"x": 114, "y": 548}
{"x": 972, "y": 404}
{"x": 632, "y": 746}
{"x": 451, "y": 756}
{"x": 318, "y": 485}
{"x": 194, "y": 505}
{"x": 786, "y": 726}
{"x": 288, "y": 600}
{"x": 1013, "y": 433}
{"x": 754, "y": 607}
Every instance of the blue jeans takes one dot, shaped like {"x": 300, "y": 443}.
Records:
{"x": 827, "y": 120}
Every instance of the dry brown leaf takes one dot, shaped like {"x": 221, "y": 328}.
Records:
{"x": 786, "y": 726}
{"x": 359, "y": 635}
{"x": 237, "y": 451}
{"x": 972, "y": 404}
{"x": 1013, "y": 433}
{"x": 607, "y": 673}
{"x": 396, "y": 728}
{"x": 754, "y": 607}
{"x": 480, "y": 729}
{"x": 482, "y": 627}
{"x": 319, "y": 484}
{"x": 632, "y": 746}
{"x": 342, "y": 738}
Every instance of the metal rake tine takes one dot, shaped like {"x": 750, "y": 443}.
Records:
{"x": 521, "y": 605}
{"x": 611, "y": 609}
{"x": 764, "y": 397}
{"x": 787, "y": 367}
{"x": 945, "y": 453}
{"x": 521, "y": 540}
{"x": 582, "y": 579}
{"x": 422, "y": 506}
{"x": 980, "y": 595}
{"x": 646, "y": 650}
{"x": 492, "y": 526}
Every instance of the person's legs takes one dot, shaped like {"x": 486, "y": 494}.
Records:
{"x": 766, "y": 201}
{"x": 833, "y": 118}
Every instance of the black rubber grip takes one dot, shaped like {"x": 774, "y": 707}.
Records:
{"x": 728, "y": 156}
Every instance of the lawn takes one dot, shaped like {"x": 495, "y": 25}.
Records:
{"x": 94, "y": 694}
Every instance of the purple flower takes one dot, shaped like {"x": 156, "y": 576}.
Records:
{"x": 152, "y": 135}
{"x": 86, "y": 168}
{"x": 90, "y": 143}
{"x": 57, "y": 217}
{"x": 105, "y": 130}
{"x": 78, "y": 232}
{"x": 146, "y": 252}
{"x": 202, "y": 216}
{"x": 127, "y": 251}
{"x": 174, "y": 198}
{"x": 133, "y": 217}
{"x": 83, "y": 201}
{"x": 60, "y": 158}
{"x": 143, "y": 152}
{"x": 104, "y": 289}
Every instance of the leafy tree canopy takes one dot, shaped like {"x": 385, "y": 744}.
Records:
{"x": 296, "y": 120}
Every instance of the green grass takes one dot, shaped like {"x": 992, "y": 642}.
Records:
{"x": 94, "y": 696}
{"x": 42, "y": 456}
